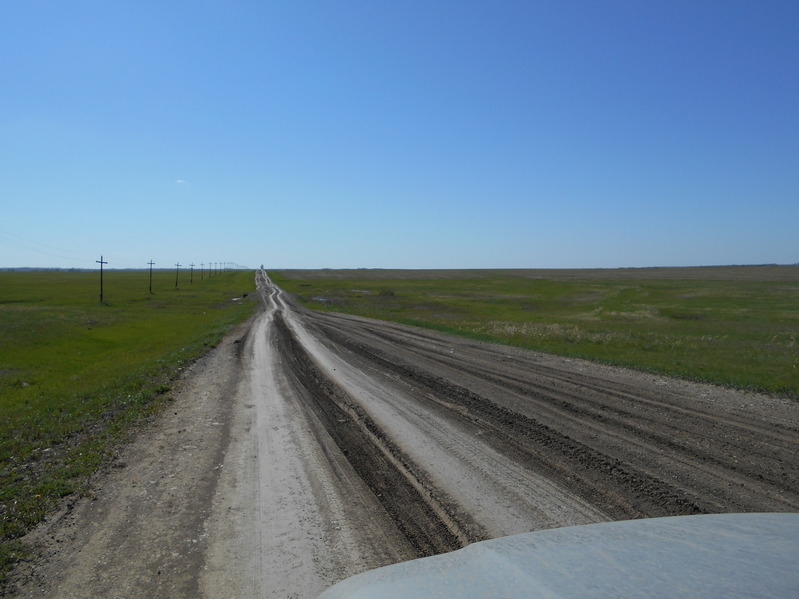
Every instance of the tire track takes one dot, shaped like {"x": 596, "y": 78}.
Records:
{"x": 418, "y": 510}
{"x": 717, "y": 457}
{"x": 667, "y": 432}
{"x": 616, "y": 488}
{"x": 552, "y": 379}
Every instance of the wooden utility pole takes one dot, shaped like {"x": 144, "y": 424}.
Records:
{"x": 177, "y": 271}
{"x": 101, "y": 262}
{"x": 202, "y": 270}
{"x": 191, "y": 273}
{"x": 151, "y": 275}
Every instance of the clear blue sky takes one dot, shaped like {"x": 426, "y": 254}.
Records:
{"x": 415, "y": 134}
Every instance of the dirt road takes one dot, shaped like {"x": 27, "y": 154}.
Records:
{"x": 309, "y": 447}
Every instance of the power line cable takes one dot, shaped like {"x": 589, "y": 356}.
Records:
{"x": 19, "y": 241}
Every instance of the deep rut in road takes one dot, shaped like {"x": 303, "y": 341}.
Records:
{"x": 421, "y": 513}
{"x": 631, "y": 444}
{"x": 616, "y": 488}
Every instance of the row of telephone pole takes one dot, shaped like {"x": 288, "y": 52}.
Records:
{"x": 213, "y": 269}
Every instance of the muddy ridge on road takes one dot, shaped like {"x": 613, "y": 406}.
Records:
{"x": 312, "y": 446}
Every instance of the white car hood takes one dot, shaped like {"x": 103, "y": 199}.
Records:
{"x": 707, "y": 557}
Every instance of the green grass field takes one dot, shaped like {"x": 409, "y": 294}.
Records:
{"x": 735, "y": 326}
{"x": 75, "y": 374}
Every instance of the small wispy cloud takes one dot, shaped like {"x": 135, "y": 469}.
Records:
{"x": 180, "y": 181}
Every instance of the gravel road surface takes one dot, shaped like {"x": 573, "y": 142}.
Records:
{"x": 308, "y": 447}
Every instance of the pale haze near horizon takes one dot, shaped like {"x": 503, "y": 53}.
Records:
{"x": 399, "y": 135}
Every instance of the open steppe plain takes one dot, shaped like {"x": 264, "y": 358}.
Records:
{"x": 312, "y": 445}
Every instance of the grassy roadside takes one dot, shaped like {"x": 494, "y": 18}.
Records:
{"x": 75, "y": 375}
{"x": 735, "y": 326}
